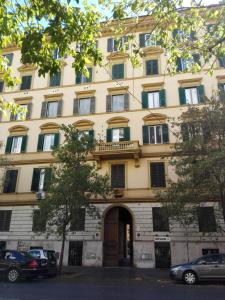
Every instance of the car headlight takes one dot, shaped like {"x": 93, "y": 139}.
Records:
{"x": 176, "y": 269}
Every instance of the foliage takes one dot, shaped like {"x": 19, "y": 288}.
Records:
{"x": 73, "y": 184}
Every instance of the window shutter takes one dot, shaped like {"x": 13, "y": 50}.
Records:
{"x": 125, "y": 40}
{"x": 145, "y": 132}
{"x": 5, "y": 220}
{"x": 152, "y": 67}
{"x": 121, "y": 70}
{"x": 78, "y": 220}
{"x": 10, "y": 58}
{"x": 1, "y": 86}
{"x": 91, "y": 134}
{"x": 108, "y": 103}
{"x": 196, "y": 58}
{"x": 110, "y": 45}
{"x": 157, "y": 174}
{"x": 165, "y": 133}
{"x": 39, "y": 225}
{"x": 24, "y": 144}
{"x": 55, "y": 79}
{"x": 118, "y": 176}
{"x": 162, "y": 97}
{"x": 26, "y": 82}
{"x": 109, "y": 135}
{"x": 126, "y": 101}
{"x": 29, "y": 110}
{"x": 142, "y": 40}
{"x": 179, "y": 64}
{"x": 44, "y": 109}
{"x": 59, "y": 109}
{"x": 47, "y": 179}
{"x": 35, "y": 180}
{"x": 222, "y": 61}
{"x": 201, "y": 93}
{"x": 78, "y": 77}
{"x": 160, "y": 219}
{"x": 126, "y": 134}
{"x": 40, "y": 142}
{"x": 89, "y": 79}
{"x": 184, "y": 132}
{"x": 144, "y": 96}
{"x": 221, "y": 90}
{"x": 76, "y": 107}
{"x": 92, "y": 107}
{"x": 56, "y": 140}
{"x": 155, "y": 67}
{"x": 10, "y": 181}
{"x": 9, "y": 144}
{"x": 12, "y": 117}
{"x": 182, "y": 96}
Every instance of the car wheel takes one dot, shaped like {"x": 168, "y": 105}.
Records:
{"x": 190, "y": 277}
{"x": 13, "y": 275}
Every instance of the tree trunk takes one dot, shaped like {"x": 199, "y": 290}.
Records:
{"x": 62, "y": 250}
{"x": 187, "y": 245}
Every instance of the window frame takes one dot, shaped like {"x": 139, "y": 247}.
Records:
{"x": 122, "y": 186}
{"x": 31, "y": 82}
{"x": 5, "y": 222}
{"x": 150, "y": 175}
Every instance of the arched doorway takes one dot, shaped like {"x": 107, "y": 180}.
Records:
{"x": 118, "y": 238}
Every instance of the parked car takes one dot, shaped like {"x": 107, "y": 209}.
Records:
{"x": 207, "y": 267}
{"x": 50, "y": 255}
{"x": 15, "y": 265}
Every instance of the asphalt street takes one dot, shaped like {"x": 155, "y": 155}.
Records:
{"x": 140, "y": 288}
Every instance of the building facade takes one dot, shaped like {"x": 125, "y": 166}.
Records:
{"x": 128, "y": 108}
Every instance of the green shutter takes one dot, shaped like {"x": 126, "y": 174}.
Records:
{"x": 110, "y": 45}
{"x": 201, "y": 93}
{"x": 89, "y": 79}
{"x": 118, "y": 71}
{"x": 142, "y": 40}
{"x": 47, "y": 179}
{"x": 91, "y": 134}
{"x": 162, "y": 97}
{"x": 24, "y": 144}
{"x": 109, "y": 135}
{"x": 9, "y": 144}
{"x": 35, "y": 179}
{"x": 182, "y": 96}
{"x": 165, "y": 133}
{"x": 145, "y": 134}
{"x": 126, "y": 134}
{"x": 78, "y": 77}
{"x": 144, "y": 99}
{"x": 40, "y": 142}
{"x": 55, "y": 79}
{"x": 179, "y": 64}
{"x": 56, "y": 140}
{"x": 196, "y": 58}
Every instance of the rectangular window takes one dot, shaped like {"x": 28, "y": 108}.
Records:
{"x": 117, "y": 134}
{"x": 41, "y": 179}
{"x": 55, "y": 79}
{"x": 153, "y": 100}
{"x": 157, "y": 173}
{"x": 49, "y": 141}
{"x": 85, "y": 106}
{"x": 147, "y": 39}
{"x": 22, "y": 115}
{"x": 10, "y": 181}
{"x": 26, "y": 82}
{"x": 118, "y": 176}
{"x": 81, "y": 78}
{"x": 1, "y": 86}
{"x": 191, "y": 95}
{"x": 206, "y": 219}
{"x": 52, "y": 109}
{"x": 39, "y": 225}
{"x": 207, "y": 251}
{"x": 78, "y": 220}
{"x": 118, "y": 71}
{"x": 9, "y": 57}
{"x": 160, "y": 219}
{"x": 5, "y": 219}
{"x": 114, "y": 45}
{"x": 222, "y": 61}
{"x": 117, "y": 102}
{"x": 56, "y": 54}
{"x": 16, "y": 144}
{"x": 152, "y": 67}
{"x": 155, "y": 134}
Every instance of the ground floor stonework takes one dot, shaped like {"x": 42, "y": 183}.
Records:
{"x": 127, "y": 234}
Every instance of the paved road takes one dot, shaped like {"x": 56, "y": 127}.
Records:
{"x": 70, "y": 287}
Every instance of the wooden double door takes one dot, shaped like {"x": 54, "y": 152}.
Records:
{"x": 118, "y": 238}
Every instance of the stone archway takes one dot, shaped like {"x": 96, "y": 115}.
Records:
{"x": 118, "y": 238}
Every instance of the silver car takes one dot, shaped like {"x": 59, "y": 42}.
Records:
{"x": 208, "y": 267}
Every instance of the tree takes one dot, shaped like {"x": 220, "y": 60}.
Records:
{"x": 198, "y": 160}
{"x": 74, "y": 182}
{"x": 45, "y": 30}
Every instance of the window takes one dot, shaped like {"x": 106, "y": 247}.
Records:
{"x": 84, "y": 106}
{"x": 1, "y": 86}
{"x": 155, "y": 134}
{"x": 41, "y": 179}
{"x": 118, "y": 71}
{"x": 118, "y": 134}
{"x": 118, "y": 176}
{"x": 207, "y": 251}
{"x": 80, "y": 78}
{"x": 153, "y": 99}
{"x": 114, "y": 45}
{"x": 55, "y": 79}
{"x": 10, "y": 181}
{"x": 16, "y": 144}
{"x": 26, "y": 82}
{"x": 192, "y": 95}
{"x": 5, "y": 219}
{"x": 39, "y": 225}
{"x": 86, "y": 133}
{"x": 222, "y": 61}
{"x": 152, "y": 67}
{"x": 184, "y": 64}
{"x": 47, "y": 141}
{"x": 56, "y": 54}
{"x": 157, "y": 173}
{"x": 51, "y": 109}
{"x": 117, "y": 102}
{"x": 22, "y": 115}
{"x": 9, "y": 57}
{"x": 147, "y": 39}
{"x": 160, "y": 219}
{"x": 182, "y": 35}
{"x": 221, "y": 88}
{"x": 206, "y": 219}
{"x": 78, "y": 220}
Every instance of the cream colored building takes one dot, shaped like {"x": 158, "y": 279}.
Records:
{"x": 128, "y": 108}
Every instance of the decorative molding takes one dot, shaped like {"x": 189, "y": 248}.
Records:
{"x": 190, "y": 82}
{"x": 154, "y": 119}
{"x": 18, "y": 129}
{"x": 152, "y": 86}
{"x": 83, "y": 94}
{"x": 118, "y": 90}
{"x": 117, "y": 121}
{"x": 221, "y": 79}
{"x": 53, "y": 97}
{"x": 83, "y": 124}
{"x": 26, "y": 67}
{"x": 23, "y": 100}
{"x": 151, "y": 50}
{"x": 118, "y": 56}
{"x": 49, "y": 126}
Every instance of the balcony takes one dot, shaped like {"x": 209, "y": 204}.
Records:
{"x": 117, "y": 150}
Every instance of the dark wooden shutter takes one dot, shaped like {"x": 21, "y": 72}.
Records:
{"x": 142, "y": 40}
{"x": 35, "y": 180}
{"x": 165, "y": 133}
{"x": 91, "y": 134}
{"x": 1, "y": 86}
{"x": 145, "y": 133}
{"x": 29, "y": 111}
{"x": 109, "y": 135}
{"x": 160, "y": 219}
{"x": 118, "y": 176}
{"x": 89, "y": 79}
{"x": 40, "y": 142}
{"x": 182, "y": 96}
{"x": 44, "y": 109}
{"x": 10, "y": 181}
{"x": 162, "y": 97}
{"x": 55, "y": 79}
{"x": 9, "y": 56}
{"x": 24, "y": 144}
{"x": 126, "y": 133}
{"x": 201, "y": 93}
{"x": 118, "y": 71}
{"x": 152, "y": 67}
{"x": 126, "y": 101}
{"x": 26, "y": 83}
{"x": 59, "y": 109}
{"x": 144, "y": 96}
{"x": 179, "y": 64}
{"x": 110, "y": 45}
{"x": 78, "y": 220}
{"x": 8, "y": 147}
{"x": 5, "y": 220}
{"x": 108, "y": 103}
{"x": 206, "y": 219}
{"x": 76, "y": 107}
{"x": 39, "y": 224}
{"x": 56, "y": 140}
{"x": 78, "y": 77}
{"x": 222, "y": 61}
{"x": 157, "y": 171}
{"x": 47, "y": 179}
{"x": 92, "y": 106}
